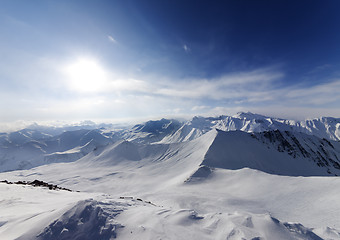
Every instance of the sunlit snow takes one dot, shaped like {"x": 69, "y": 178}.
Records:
{"x": 233, "y": 177}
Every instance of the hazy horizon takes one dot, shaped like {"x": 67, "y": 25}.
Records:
{"x": 19, "y": 125}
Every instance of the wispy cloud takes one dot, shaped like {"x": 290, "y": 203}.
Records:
{"x": 248, "y": 86}
{"x": 112, "y": 39}
{"x": 259, "y": 87}
{"x": 324, "y": 93}
{"x": 186, "y": 48}
{"x": 234, "y": 86}
{"x": 117, "y": 96}
{"x": 200, "y": 108}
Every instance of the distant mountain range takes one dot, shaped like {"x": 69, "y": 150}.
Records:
{"x": 314, "y": 142}
{"x": 230, "y": 177}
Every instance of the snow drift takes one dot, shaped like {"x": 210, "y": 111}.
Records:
{"x": 232, "y": 177}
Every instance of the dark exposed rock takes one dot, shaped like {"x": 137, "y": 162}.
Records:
{"x": 321, "y": 151}
{"x": 37, "y": 183}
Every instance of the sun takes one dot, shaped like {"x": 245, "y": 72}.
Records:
{"x": 86, "y": 75}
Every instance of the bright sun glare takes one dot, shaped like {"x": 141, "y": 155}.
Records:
{"x": 86, "y": 75}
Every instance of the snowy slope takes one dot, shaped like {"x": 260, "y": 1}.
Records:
{"x": 287, "y": 153}
{"x": 324, "y": 127}
{"x": 151, "y": 131}
{"x": 277, "y": 152}
{"x": 323, "y": 152}
{"x": 20, "y": 150}
{"x": 70, "y": 215}
{"x": 240, "y": 177}
{"x": 224, "y": 204}
{"x": 29, "y": 212}
{"x": 42, "y": 145}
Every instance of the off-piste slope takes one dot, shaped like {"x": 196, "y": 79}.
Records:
{"x": 130, "y": 166}
{"x": 29, "y": 148}
{"x": 275, "y": 152}
{"x": 228, "y": 177}
{"x": 323, "y": 127}
{"x": 28, "y": 212}
{"x": 155, "y": 165}
{"x": 150, "y": 131}
{"x": 172, "y": 199}
{"x": 89, "y": 216}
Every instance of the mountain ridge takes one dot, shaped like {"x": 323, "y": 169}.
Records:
{"x": 29, "y": 148}
{"x": 206, "y": 181}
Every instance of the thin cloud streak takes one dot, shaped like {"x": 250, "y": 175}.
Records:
{"x": 119, "y": 97}
{"x": 320, "y": 94}
{"x": 245, "y": 88}
{"x": 111, "y": 39}
{"x": 186, "y": 48}
{"x": 227, "y": 87}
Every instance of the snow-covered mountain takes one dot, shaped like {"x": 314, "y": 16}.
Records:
{"x": 33, "y": 147}
{"x": 324, "y": 127}
{"x": 19, "y": 150}
{"x": 275, "y": 152}
{"x": 151, "y": 131}
{"x": 230, "y": 177}
{"x": 189, "y": 190}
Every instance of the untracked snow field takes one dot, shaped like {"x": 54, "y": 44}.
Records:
{"x": 242, "y": 204}
{"x": 183, "y": 190}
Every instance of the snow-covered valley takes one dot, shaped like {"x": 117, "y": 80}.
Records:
{"x": 232, "y": 177}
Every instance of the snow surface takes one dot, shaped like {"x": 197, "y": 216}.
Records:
{"x": 196, "y": 183}
{"x": 28, "y": 213}
{"x": 324, "y": 127}
{"x": 39, "y": 145}
{"x": 236, "y": 150}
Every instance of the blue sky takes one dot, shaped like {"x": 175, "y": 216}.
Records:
{"x": 106, "y": 60}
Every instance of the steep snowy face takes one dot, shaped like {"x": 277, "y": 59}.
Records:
{"x": 191, "y": 130}
{"x": 115, "y": 153}
{"x": 21, "y": 137}
{"x": 275, "y": 152}
{"x": 325, "y": 153}
{"x": 151, "y": 131}
{"x": 161, "y": 126}
{"x": 29, "y": 148}
{"x": 323, "y": 127}
{"x": 182, "y": 190}
{"x": 328, "y": 128}
{"x": 168, "y": 163}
